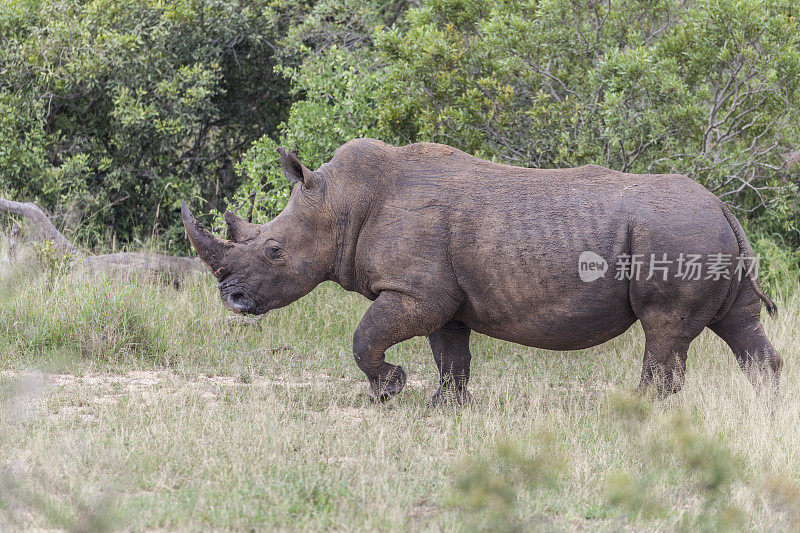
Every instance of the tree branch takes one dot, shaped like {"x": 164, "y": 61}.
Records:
{"x": 42, "y": 222}
{"x": 171, "y": 267}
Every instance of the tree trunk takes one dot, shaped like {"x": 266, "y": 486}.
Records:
{"x": 172, "y": 268}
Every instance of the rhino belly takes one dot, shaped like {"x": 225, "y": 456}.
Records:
{"x": 524, "y": 285}
{"x": 571, "y": 319}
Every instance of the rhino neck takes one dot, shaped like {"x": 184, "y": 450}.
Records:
{"x": 351, "y": 215}
{"x": 357, "y": 175}
{"x": 344, "y": 270}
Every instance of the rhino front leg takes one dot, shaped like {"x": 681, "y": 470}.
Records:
{"x": 392, "y": 318}
{"x": 450, "y": 347}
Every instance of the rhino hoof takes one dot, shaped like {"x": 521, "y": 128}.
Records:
{"x": 382, "y": 390}
{"x": 449, "y": 396}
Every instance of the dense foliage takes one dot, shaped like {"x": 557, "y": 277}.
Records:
{"x": 114, "y": 110}
{"x": 708, "y": 88}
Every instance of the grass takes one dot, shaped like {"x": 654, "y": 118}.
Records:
{"x": 130, "y": 405}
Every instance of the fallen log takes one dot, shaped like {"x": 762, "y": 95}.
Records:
{"x": 173, "y": 268}
{"x": 130, "y": 262}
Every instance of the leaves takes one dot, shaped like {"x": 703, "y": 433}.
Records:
{"x": 155, "y": 100}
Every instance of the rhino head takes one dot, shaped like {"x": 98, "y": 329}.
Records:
{"x": 266, "y": 266}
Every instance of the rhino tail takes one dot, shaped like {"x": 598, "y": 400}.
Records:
{"x": 746, "y": 250}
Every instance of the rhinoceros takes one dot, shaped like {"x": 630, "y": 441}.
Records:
{"x": 444, "y": 244}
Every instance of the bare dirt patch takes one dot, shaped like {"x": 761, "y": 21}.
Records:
{"x": 84, "y": 394}
{"x": 87, "y": 395}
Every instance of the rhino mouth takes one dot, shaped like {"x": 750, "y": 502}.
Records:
{"x": 244, "y": 311}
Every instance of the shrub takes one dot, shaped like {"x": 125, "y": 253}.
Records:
{"x": 115, "y": 110}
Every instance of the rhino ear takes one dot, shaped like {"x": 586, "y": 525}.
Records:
{"x": 295, "y": 171}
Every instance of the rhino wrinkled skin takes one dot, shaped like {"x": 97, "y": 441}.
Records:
{"x": 444, "y": 243}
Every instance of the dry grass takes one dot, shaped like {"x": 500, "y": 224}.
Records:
{"x": 126, "y": 405}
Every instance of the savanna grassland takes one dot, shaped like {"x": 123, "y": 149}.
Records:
{"x": 129, "y": 404}
{"x": 133, "y": 404}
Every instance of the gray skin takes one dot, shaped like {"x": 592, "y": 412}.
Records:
{"x": 444, "y": 244}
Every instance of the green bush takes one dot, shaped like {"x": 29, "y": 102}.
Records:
{"x": 112, "y": 111}
{"x": 336, "y": 76}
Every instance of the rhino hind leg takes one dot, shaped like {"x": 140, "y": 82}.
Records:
{"x": 664, "y": 364}
{"x": 392, "y": 318}
{"x": 671, "y": 321}
{"x": 450, "y": 346}
{"x": 742, "y": 331}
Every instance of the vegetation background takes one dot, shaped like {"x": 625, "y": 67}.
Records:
{"x": 132, "y": 405}
{"x": 112, "y": 111}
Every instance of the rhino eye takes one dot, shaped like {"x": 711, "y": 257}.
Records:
{"x": 274, "y": 251}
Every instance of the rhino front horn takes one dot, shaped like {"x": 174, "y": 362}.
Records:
{"x": 210, "y": 248}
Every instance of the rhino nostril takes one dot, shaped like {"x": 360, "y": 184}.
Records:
{"x": 239, "y": 302}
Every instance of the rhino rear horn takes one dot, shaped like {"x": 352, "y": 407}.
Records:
{"x": 210, "y": 248}
{"x": 240, "y": 230}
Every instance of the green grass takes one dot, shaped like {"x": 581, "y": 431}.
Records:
{"x": 152, "y": 412}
